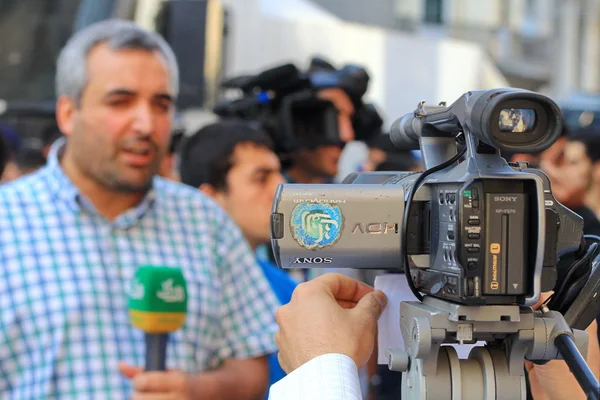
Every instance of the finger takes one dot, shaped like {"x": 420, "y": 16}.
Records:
{"x": 543, "y": 297}
{"x": 342, "y": 287}
{"x": 528, "y": 365}
{"x": 129, "y": 371}
{"x": 373, "y": 304}
{"x": 159, "y": 382}
{"x": 347, "y": 304}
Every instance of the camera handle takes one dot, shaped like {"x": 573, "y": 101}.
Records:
{"x": 494, "y": 371}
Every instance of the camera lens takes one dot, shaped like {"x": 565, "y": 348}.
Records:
{"x": 517, "y": 120}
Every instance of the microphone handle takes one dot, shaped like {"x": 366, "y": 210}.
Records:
{"x": 156, "y": 351}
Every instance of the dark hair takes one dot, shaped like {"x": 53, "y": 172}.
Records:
{"x": 207, "y": 155}
{"x": 176, "y": 139}
{"x": 591, "y": 140}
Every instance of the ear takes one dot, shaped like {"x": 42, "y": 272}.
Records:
{"x": 213, "y": 193}
{"x": 65, "y": 114}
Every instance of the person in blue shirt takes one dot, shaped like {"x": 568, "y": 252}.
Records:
{"x": 234, "y": 163}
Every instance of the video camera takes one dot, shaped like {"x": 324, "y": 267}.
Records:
{"x": 482, "y": 238}
{"x": 466, "y": 223}
{"x": 284, "y": 101}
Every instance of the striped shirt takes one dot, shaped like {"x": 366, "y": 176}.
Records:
{"x": 64, "y": 275}
{"x": 326, "y": 377}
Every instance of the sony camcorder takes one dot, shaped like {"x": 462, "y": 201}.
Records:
{"x": 471, "y": 229}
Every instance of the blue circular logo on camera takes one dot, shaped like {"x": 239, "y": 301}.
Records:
{"x": 316, "y": 225}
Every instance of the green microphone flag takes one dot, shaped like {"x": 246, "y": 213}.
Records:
{"x": 158, "y": 299}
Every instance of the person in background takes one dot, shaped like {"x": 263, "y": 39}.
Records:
{"x": 168, "y": 166}
{"x": 319, "y": 162}
{"x": 32, "y": 153}
{"x": 234, "y": 164}
{"x": 569, "y": 186}
{"x": 75, "y": 232}
{"x": 581, "y": 170}
{"x": 12, "y": 147}
{"x": 582, "y": 159}
{"x": 383, "y": 155}
{"x": 570, "y": 170}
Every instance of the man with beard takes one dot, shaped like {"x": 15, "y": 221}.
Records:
{"x": 74, "y": 233}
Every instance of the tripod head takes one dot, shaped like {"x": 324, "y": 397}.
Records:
{"x": 512, "y": 334}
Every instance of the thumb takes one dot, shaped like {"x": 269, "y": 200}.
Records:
{"x": 129, "y": 371}
{"x": 372, "y": 303}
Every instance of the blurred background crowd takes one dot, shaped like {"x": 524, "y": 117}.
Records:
{"x": 305, "y": 91}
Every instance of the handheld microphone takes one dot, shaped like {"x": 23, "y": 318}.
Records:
{"x": 157, "y": 306}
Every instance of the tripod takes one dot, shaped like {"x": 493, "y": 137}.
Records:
{"x": 494, "y": 371}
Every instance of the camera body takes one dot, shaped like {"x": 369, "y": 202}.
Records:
{"x": 477, "y": 231}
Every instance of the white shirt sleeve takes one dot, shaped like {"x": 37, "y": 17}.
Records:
{"x": 327, "y": 377}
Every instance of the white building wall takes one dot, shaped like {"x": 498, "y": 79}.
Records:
{"x": 403, "y": 68}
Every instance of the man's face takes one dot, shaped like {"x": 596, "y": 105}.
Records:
{"x": 251, "y": 185}
{"x": 568, "y": 179}
{"x": 345, "y": 108}
{"x": 120, "y": 131}
{"x": 554, "y": 155}
{"x": 577, "y": 162}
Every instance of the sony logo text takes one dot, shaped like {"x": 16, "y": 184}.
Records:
{"x": 313, "y": 260}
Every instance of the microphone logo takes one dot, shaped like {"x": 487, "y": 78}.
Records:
{"x": 137, "y": 290}
{"x": 170, "y": 293}
{"x": 157, "y": 306}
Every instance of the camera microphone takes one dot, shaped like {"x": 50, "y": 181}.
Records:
{"x": 157, "y": 306}
{"x": 402, "y": 134}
